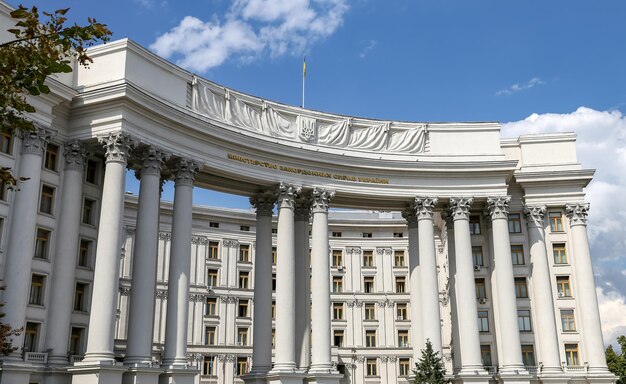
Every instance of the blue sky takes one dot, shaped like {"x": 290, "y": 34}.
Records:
{"x": 535, "y": 66}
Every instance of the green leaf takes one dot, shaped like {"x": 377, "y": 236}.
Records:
{"x": 62, "y": 11}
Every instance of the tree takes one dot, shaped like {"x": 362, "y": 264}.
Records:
{"x": 40, "y": 49}
{"x": 6, "y": 332}
{"x": 617, "y": 362}
{"x": 430, "y": 368}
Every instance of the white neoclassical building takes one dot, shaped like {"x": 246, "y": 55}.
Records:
{"x": 447, "y": 233}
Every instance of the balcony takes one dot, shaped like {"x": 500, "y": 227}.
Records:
{"x": 36, "y": 357}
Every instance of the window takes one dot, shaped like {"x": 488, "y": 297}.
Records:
{"x": 79, "y": 296}
{"x": 485, "y": 354}
{"x": 337, "y": 311}
{"x": 560, "y": 256}
{"x": 76, "y": 340}
{"x": 336, "y": 234}
{"x": 481, "y": 290}
{"x": 274, "y": 231}
{"x": 368, "y": 284}
{"x": 571, "y": 355}
{"x": 483, "y": 321}
{"x": 367, "y": 234}
{"x": 400, "y": 284}
{"x": 209, "y": 335}
{"x": 338, "y": 338}
{"x": 88, "y": 211}
{"x": 214, "y": 224}
{"x": 37, "y": 285}
{"x": 401, "y": 311}
{"x": 245, "y": 228}
{"x": 404, "y": 367}
{"x": 91, "y": 173}
{"x": 244, "y": 277}
{"x": 398, "y": 234}
{"x": 477, "y": 256}
{"x": 517, "y": 254}
{"x": 556, "y": 221}
{"x": 568, "y": 323}
{"x": 370, "y": 338}
{"x": 244, "y": 253}
{"x": 242, "y": 311}
{"x": 84, "y": 252}
{"x": 273, "y": 282}
{"x": 403, "y": 338}
{"x": 370, "y": 311}
{"x": 31, "y": 333}
{"x": 521, "y": 289}
{"x": 214, "y": 247}
{"x": 528, "y": 355}
{"x": 273, "y": 255}
{"x": 242, "y": 336}
{"x": 46, "y": 204}
{"x": 337, "y": 283}
{"x": 3, "y": 190}
{"x": 42, "y": 244}
{"x": 399, "y": 257}
{"x": 523, "y": 320}
{"x": 368, "y": 258}
{"x": 208, "y": 366}
{"x": 474, "y": 223}
{"x": 372, "y": 367}
{"x": 242, "y": 366}
{"x": 273, "y": 310}
{"x": 563, "y": 287}
{"x": 211, "y": 306}
{"x": 212, "y": 278}
{"x": 515, "y": 223}
{"x": 337, "y": 258}
{"x": 273, "y": 337}
{"x": 6, "y": 143}
{"x": 51, "y": 157}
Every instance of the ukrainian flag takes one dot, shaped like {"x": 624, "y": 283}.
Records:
{"x": 304, "y": 66}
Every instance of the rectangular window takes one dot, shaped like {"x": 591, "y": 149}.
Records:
{"x": 89, "y": 206}
{"x": 214, "y": 248}
{"x": 403, "y": 338}
{"x": 84, "y": 253}
{"x": 245, "y": 228}
{"x": 372, "y": 367}
{"x": 242, "y": 310}
{"x": 212, "y": 278}
{"x": 401, "y": 311}
{"x": 404, "y": 366}
{"x": 337, "y": 258}
{"x": 400, "y": 284}
{"x": 80, "y": 295}
{"x": 528, "y": 355}
{"x": 3, "y": 190}
{"x": 244, "y": 277}
{"x": 242, "y": 366}
{"x": 483, "y": 321}
{"x": 208, "y": 366}
{"x": 46, "y": 204}
{"x": 398, "y": 234}
{"x": 571, "y": 355}
{"x": 211, "y": 306}
{"x": 273, "y": 282}
{"x": 517, "y": 254}
{"x": 338, "y": 338}
{"x": 42, "y": 244}
{"x": 242, "y": 337}
{"x": 209, "y": 336}
{"x": 523, "y": 320}
{"x": 273, "y": 255}
{"x": 244, "y": 253}
{"x": 367, "y": 234}
{"x": 474, "y": 225}
{"x": 51, "y": 157}
{"x": 485, "y": 354}
{"x": 337, "y": 283}
{"x": 515, "y": 223}
{"x": 31, "y": 335}
{"x": 37, "y": 286}
{"x": 477, "y": 256}
{"x": 273, "y": 310}
{"x": 481, "y": 290}
{"x": 563, "y": 286}
{"x": 6, "y": 143}
{"x": 214, "y": 224}
{"x": 76, "y": 341}
{"x": 370, "y": 338}
{"x": 399, "y": 258}
{"x": 568, "y": 323}
{"x": 337, "y": 311}
{"x": 368, "y": 284}
{"x": 91, "y": 173}
{"x": 556, "y": 221}
{"x": 336, "y": 234}
{"x": 370, "y": 311}
{"x": 274, "y": 231}
{"x": 521, "y": 289}
{"x": 368, "y": 258}
{"x": 558, "y": 251}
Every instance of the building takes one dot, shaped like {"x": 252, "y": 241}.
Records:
{"x": 473, "y": 242}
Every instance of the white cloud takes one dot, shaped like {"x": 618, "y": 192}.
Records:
{"x": 613, "y": 315}
{"x": 520, "y": 87}
{"x": 366, "y": 50}
{"x": 149, "y": 4}
{"x": 249, "y": 30}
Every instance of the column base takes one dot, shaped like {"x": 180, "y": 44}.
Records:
{"x": 279, "y": 377}
{"x": 142, "y": 375}
{"x": 514, "y": 376}
{"x": 96, "y": 373}
{"x": 473, "y": 375}
{"x": 178, "y": 376}
{"x": 553, "y": 378}
{"x": 601, "y": 377}
{"x": 331, "y": 377}
{"x": 255, "y": 378}
{"x": 12, "y": 373}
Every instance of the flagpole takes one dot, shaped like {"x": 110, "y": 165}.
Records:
{"x": 303, "y": 77}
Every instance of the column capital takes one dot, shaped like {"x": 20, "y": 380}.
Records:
{"x": 321, "y": 199}
{"x": 34, "y": 141}
{"x": 425, "y": 206}
{"x": 117, "y": 146}
{"x": 185, "y": 172}
{"x": 498, "y": 207}
{"x": 287, "y": 194}
{"x": 264, "y": 202}
{"x": 303, "y": 207}
{"x": 577, "y": 213}
{"x": 460, "y": 207}
{"x": 75, "y": 156}
{"x": 535, "y": 215}
{"x": 410, "y": 215}
{"x": 152, "y": 159}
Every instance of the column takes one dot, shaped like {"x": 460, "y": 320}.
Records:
{"x": 106, "y": 271}
{"x": 431, "y": 317}
{"x": 22, "y": 236}
{"x": 465, "y": 288}
{"x": 262, "y": 320}
{"x": 320, "y": 279}
{"x": 545, "y": 323}
{"x": 62, "y": 283}
{"x": 586, "y": 289}
{"x": 141, "y": 309}
{"x": 454, "y": 315}
{"x": 417, "y": 336}
{"x": 285, "y": 356}
{"x": 303, "y": 282}
{"x": 175, "y": 355}
{"x": 506, "y": 315}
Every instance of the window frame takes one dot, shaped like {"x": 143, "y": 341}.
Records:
{"x": 524, "y": 323}
{"x": 517, "y": 255}
{"x": 46, "y": 200}
{"x": 514, "y": 221}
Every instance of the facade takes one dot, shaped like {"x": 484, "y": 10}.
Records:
{"x": 475, "y": 243}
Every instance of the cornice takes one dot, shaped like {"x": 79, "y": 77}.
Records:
{"x": 578, "y": 177}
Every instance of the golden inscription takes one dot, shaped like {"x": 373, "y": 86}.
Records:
{"x": 264, "y": 164}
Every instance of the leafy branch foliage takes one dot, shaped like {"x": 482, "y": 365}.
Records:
{"x": 430, "y": 368}
{"x": 617, "y": 362}
{"x": 6, "y": 332}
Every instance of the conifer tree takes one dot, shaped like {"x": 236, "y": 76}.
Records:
{"x": 430, "y": 368}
